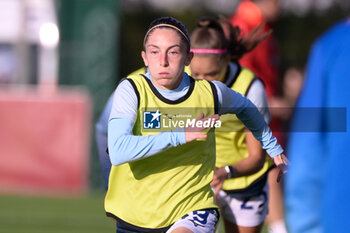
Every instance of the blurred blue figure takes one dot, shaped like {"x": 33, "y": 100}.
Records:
{"x": 317, "y": 186}
{"x": 101, "y": 139}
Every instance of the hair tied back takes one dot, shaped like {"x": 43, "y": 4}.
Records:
{"x": 204, "y": 23}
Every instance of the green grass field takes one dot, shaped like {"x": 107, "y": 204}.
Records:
{"x": 19, "y": 214}
{"x": 23, "y": 214}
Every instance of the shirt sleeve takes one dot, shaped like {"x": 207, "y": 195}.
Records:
{"x": 235, "y": 103}
{"x": 124, "y": 102}
{"x": 125, "y": 147}
{"x": 257, "y": 95}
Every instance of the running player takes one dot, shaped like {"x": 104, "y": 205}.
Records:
{"x": 160, "y": 176}
{"x": 241, "y": 164}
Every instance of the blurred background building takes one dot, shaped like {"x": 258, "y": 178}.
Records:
{"x": 61, "y": 59}
{"x": 28, "y": 42}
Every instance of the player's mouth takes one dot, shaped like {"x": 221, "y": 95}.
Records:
{"x": 164, "y": 74}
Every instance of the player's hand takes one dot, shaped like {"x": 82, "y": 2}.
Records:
{"x": 282, "y": 163}
{"x": 193, "y": 133}
{"x": 220, "y": 175}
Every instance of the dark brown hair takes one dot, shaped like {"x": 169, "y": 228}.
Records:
{"x": 218, "y": 33}
{"x": 169, "y": 22}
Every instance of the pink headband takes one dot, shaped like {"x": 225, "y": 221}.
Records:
{"x": 209, "y": 51}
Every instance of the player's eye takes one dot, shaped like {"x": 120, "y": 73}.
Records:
{"x": 174, "y": 52}
{"x": 213, "y": 74}
{"x": 195, "y": 75}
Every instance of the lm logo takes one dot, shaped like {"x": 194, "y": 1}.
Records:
{"x": 151, "y": 120}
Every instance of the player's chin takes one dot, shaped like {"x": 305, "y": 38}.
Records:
{"x": 167, "y": 82}
{"x": 165, "y": 78}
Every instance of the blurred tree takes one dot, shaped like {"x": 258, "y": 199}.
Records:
{"x": 296, "y": 33}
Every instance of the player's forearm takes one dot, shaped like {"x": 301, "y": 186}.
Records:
{"x": 255, "y": 122}
{"x": 125, "y": 147}
{"x": 247, "y": 166}
{"x": 235, "y": 103}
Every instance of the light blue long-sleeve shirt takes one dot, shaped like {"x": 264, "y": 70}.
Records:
{"x": 125, "y": 147}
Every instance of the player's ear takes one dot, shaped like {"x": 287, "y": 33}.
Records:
{"x": 188, "y": 58}
{"x": 143, "y": 55}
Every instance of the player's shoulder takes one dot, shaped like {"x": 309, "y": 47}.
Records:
{"x": 338, "y": 33}
{"x": 142, "y": 70}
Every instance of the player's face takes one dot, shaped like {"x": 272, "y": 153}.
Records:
{"x": 166, "y": 58}
{"x": 208, "y": 67}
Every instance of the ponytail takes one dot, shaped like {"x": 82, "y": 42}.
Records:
{"x": 238, "y": 45}
{"x": 218, "y": 36}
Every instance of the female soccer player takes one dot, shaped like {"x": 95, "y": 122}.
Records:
{"x": 241, "y": 164}
{"x": 161, "y": 141}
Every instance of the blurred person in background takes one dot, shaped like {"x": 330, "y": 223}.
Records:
{"x": 291, "y": 86}
{"x": 317, "y": 187}
{"x": 241, "y": 164}
{"x": 264, "y": 62}
{"x": 293, "y": 79}
{"x": 292, "y": 83}
{"x": 264, "y": 59}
